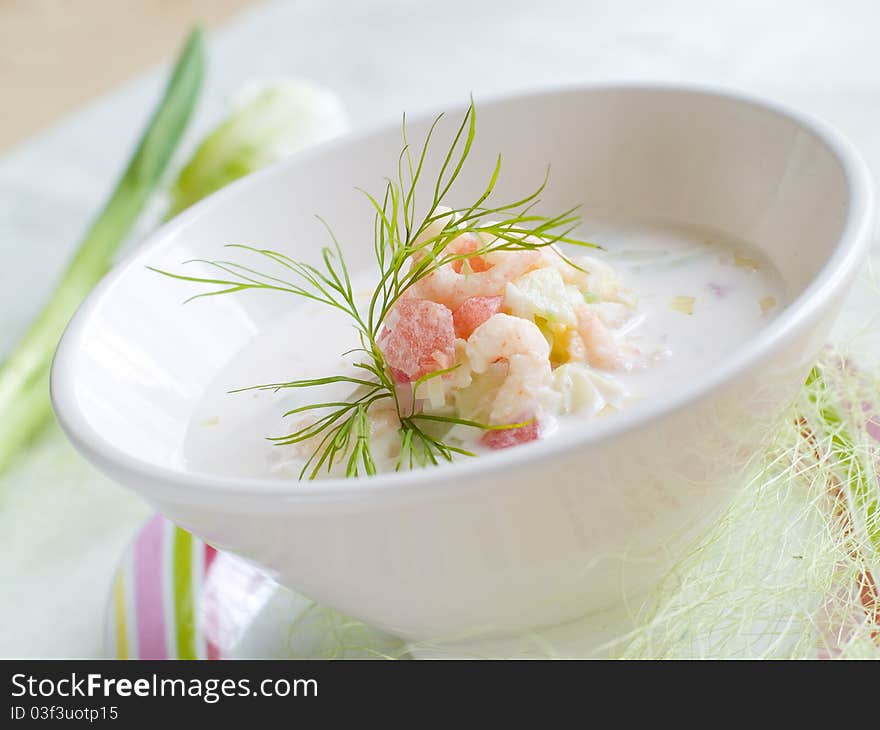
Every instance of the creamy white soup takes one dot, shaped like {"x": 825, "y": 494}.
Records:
{"x": 550, "y": 347}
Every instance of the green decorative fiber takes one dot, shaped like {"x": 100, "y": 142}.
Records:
{"x": 789, "y": 571}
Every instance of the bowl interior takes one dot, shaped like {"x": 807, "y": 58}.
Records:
{"x": 135, "y": 361}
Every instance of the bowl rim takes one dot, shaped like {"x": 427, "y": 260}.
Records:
{"x": 181, "y": 484}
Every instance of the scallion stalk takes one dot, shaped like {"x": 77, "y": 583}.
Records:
{"x": 24, "y": 375}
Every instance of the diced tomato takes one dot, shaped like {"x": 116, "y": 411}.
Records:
{"x": 419, "y": 339}
{"x": 473, "y": 312}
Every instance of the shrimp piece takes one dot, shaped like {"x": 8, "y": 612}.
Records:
{"x": 435, "y": 228}
{"x": 599, "y": 345}
{"x": 513, "y": 264}
{"x": 501, "y": 337}
{"x": 488, "y": 275}
{"x": 518, "y": 398}
{"x": 520, "y": 343}
{"x": 507, "y": 437}
{"x": 468, "y": 243}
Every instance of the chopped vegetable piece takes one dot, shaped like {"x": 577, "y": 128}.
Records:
{"x": 540, "y": 293}
{"x": 685, "y": 305}
{"x": 746, "y": 262}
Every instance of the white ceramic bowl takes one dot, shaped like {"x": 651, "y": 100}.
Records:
{"x": 536, "y": 535}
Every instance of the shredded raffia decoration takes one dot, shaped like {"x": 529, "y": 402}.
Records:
{"x": 791, "y": 570}
{"x": 813, "y": 508}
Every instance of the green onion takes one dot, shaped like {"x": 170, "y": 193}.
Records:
{"x": 24, "y": 376}
{"x": 282, "y": 117}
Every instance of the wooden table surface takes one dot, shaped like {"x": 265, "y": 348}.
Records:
{"x": 56, "y": 55}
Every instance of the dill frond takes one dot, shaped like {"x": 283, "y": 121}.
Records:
{"x": 404, "y": 255}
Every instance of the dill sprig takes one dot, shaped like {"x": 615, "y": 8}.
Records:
{"x": 408, "y": 248}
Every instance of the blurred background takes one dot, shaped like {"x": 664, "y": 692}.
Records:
{"x": 57, "y": 55}
{"x": 79, "y": 80}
